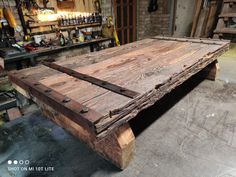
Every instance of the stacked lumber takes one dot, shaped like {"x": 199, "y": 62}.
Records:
{"x": 227, "y": 20}
{"x": 205, "y": 18}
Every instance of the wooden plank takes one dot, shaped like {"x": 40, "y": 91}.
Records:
{"x": 204, "y": 24}
{"x": 87, "y": 59}
{"x": 228, "y": 8}
{"x": 78, "y": 113}
{"x": 200, "y": 23}
{"x": 93, "y": 80}
{"x": 226, "y": 31}
{"x": 211, "y": 19}
{"x": 228, "y": 15}
{"x": 198, "y": 6}
{"x": 228, "y": 1}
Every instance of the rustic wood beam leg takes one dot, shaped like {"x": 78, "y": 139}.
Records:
{"x": 118, "y": 147}
{"x": 212, "y": 70}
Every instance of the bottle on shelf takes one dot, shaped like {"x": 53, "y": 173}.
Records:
{"x": 83, "y": 21}
{"x": 98, "y": 17}
{"x": 86, "y": 19}
{"x": 78, "y": 19}
{"x": 59, "y": 19}
{"x": 74, "y": 19}
{"x": 62, "y": 39}
{"x": 71, "y": 21}
{"x": 67, "y": 21}
{"x": 93, "y": 17}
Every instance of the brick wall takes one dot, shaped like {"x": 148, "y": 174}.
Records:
{"x": 106, "y": 6}
{"x": 154, "y": 23}
{"x": 148, "y": 24}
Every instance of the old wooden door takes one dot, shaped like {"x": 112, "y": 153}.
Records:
{"x": 125, "y": 14}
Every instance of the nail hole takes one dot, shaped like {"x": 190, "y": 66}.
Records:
{"x": 48, "y": 90}
{"x": 122, "y": 90}
{"x": 84, "y": 110}
{"x": 66, "y": 100}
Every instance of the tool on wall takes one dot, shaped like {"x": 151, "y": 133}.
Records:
{"x": 108, "y": 30}
{"x": 97, "y": 6}
{"x": 45, "y": 2}
{"x": 8, "y": 14}
{"x": 33, "y": 5}
{"x": 153, "y": 6}
{"x": 21, "y": 16}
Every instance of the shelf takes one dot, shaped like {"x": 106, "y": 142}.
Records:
{"x": 229, "y": 1}
{"x": 36, "y": 25}
{"x": 64, "y": 28}
{"x": 79, "y": 26}
{"x": 227, "y": 15}
{"x": 226, "y": 31}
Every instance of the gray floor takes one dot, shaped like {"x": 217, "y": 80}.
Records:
{"x": 189, "y": 133}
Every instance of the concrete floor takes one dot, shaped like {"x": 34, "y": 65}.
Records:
{"x": 189, "y": 133}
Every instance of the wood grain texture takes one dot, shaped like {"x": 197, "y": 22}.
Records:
{"x": 151, "y": 67}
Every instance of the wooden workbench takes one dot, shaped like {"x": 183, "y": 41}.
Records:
{"x": 95, "y": 95}
{"x": 42, "y": 51}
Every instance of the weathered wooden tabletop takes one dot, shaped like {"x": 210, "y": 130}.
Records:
{"x": 151, "y": 68}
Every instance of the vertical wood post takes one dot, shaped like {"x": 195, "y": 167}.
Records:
{"x": 212, "y": 70}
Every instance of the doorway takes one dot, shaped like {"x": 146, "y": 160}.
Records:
{"x": 125, "y": 15}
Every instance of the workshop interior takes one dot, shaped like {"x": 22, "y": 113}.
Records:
{"x": 95, "y": 88}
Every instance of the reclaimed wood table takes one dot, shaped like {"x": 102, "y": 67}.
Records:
{"x": 95, "y": 95}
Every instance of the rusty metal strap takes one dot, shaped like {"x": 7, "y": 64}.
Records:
{"x": 101, "y": 83}
{"x": 75, "y": 111}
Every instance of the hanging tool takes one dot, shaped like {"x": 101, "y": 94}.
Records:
{"x": 108, "y": 30}
{"x": 110, "y": 24}
{"x": 1, "y": 17}
{"x": 8, "y": 14}
{"x": 97, "y": 6}
{"x": 7, "y": 29}
{"x": 21, "y": 16}
{"x": 153, "y": 6}
{"x": 45, "y": 2}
